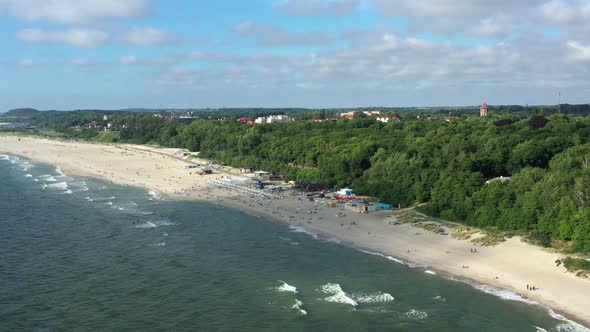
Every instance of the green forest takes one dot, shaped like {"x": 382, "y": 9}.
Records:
{"x": 513, "y": 172}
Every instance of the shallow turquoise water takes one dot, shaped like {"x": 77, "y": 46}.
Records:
{"x": 81, "y": 254}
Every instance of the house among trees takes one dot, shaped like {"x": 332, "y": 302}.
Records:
{"x": 483, "y": 110}
{"x": 386, "y": 119}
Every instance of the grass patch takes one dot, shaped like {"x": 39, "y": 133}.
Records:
{"x": 579, "y": 266}
{"x": 489, "y": 240}
{"x": 432, "y": 227}
{"x": 463, "y": 233}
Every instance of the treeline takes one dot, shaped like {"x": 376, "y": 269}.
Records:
{"x": 519, "y": 173}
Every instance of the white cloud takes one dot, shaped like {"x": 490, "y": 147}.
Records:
{"x": 128, "y": 59}
{"x": 580, "y": 52}
{"x": 75, "y": 37}
{"x": 318, "y": 7}
{"x": 272, "y": 35}
{"x": 75, "y": 11}
{"x": 559, "y": 12}
{"x": 146, "y": 36}
{"x": 488, "y": 28}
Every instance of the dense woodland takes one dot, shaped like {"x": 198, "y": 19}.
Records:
{"x": 428, "y": 160}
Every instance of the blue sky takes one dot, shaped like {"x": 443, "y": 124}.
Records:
{"x": 70, "y": 54}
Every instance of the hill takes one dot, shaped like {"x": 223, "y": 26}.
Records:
{"x": 21, "y": 113}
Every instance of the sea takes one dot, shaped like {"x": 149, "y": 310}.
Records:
{"x": 82, "y": 254}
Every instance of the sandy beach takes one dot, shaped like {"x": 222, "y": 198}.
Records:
{"x": 511, "y": 265}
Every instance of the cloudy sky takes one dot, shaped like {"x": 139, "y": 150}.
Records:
{"x": 67, "y": 54}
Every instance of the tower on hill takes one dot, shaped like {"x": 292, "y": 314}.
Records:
{"x": 483, "y": 110}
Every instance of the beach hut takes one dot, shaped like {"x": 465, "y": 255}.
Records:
{"x": 206, "y": 170}
{"x": 385, "y": 206}
{"x": 346, "y": 192}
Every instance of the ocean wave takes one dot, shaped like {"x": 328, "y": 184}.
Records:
{"x": 332, "y": 240}
{"x": 164, "y": 222}
{"x": 290, "y": 241}
{"x": 4, "y": 157}
{"x": 154, "y": 195}
{"x": 104, "y": 198}
{"x": 567, "y": 325}
{"x": 301, "y": 229}
{"x": 68, "y": 192}
{"x": 59, "y": 172}
{"x": 47, "y": 178}
{"x": 384, "y": 256}
{"x": 298, "y": 304}
{"x": 337, "y": 295}
{"x": 147, "y": 225}
{"x": 416, "y": 314}
{"x": 79, "y": 185}
{"x": 88, "y": 198}
{"x": 61, "y": 186}
{"x": 285, "y": 287}
{"x": 28, "y": 175}
{"x": 25, "y": 165}
{"x": 439, "y": 298}
{"x": 430, "y": 272}
{"x": 373, "y": 298}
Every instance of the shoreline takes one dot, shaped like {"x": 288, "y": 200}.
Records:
{"x": 371, "y": 235}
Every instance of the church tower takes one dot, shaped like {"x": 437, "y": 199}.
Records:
{"x": 483, "y": 111}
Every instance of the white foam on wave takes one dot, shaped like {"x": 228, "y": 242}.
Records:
{"x": 416, "y": 314}
{"x": 47, "y": 178}
{"x": 25, "y": 165}
{"x": 61, "y": 186}
{"x": 540, "y": 329}
{"x": 164, "y": 222}
{"x": 290, "y": 241}
{"x": 417, "y": 266}
{"x": 298, "y": 304}
{"x": 4, "y": 157}
{"x": 68, "y": 192}
{"x": 384, "y": 256}
{"x": 154, "y": 195}
{"x": 337, "y": 295}
{"x": 285, "y": 287}
{"x": 147, "y": 225}
{"x": 28, "y": 175}
{"x": 373, "y": 298}
{"x": 59, "y": 172}
{"x": 567, "y": 325}
{"x": 333, "y": 240}
{"x": 88, "y": 198}
{"x": 301, "y": 229}
{"x": 430, "y": 272}
{"x": 439, "y": 298}
{"x": 109, "y": 203}
{"x": 79, "y": 185}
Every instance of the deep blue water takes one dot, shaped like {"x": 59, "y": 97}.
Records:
{"x": 83, "y": 255}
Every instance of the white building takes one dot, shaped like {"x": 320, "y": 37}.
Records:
{"x": 273, "y": 119}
